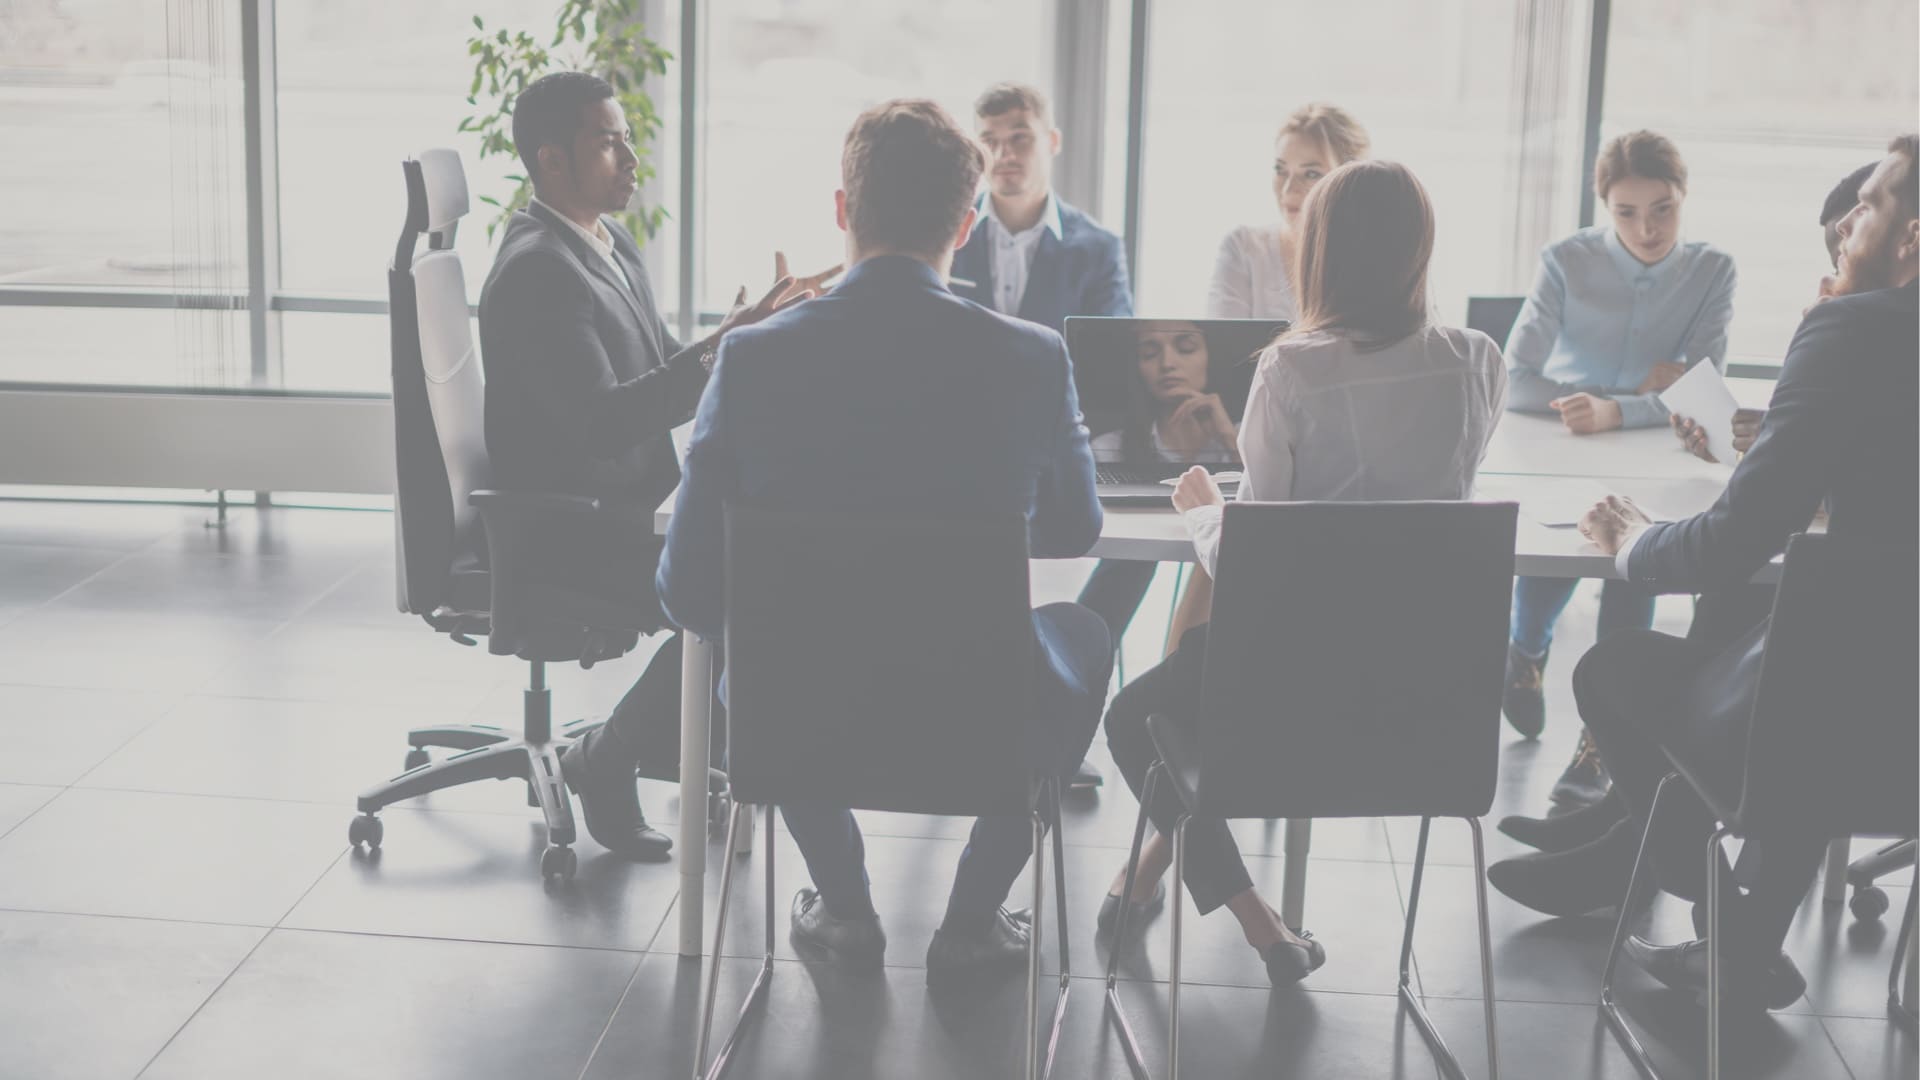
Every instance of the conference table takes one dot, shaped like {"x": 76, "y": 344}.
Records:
{"x": 1532, "y": 460}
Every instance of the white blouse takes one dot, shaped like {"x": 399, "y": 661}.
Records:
{"x": 1328, "y": 422}
{"x": 1250, "y": 277}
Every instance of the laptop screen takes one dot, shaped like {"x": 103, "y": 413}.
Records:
{"x": 1165, "y": 390}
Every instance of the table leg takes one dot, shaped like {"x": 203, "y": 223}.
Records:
{"x": 1834, "y": 887}
{"x": 696, "y": 708}
{"x": 1293, "y": 893}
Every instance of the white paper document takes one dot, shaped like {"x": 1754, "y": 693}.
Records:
{"x": 1702, "y": 396}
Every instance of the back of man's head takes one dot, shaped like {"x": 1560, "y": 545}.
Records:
{"x": 910, "y": 174}
{"x": 1906, "y": 188}
{"x": 547, "y": 113}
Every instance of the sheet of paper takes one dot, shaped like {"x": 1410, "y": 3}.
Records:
{"x": 1702, "y": 395}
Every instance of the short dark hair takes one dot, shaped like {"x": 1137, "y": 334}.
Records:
{"x": 1845, "y": 194}
{"x": 1004, "y": 97}
{"x": 547, "y": 112}
{"x": 1639, "y": 153}
{"x": 1907, "y": 191}
{"x": 910, "y": 174}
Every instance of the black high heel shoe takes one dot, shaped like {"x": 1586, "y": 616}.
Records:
{"x": 1288, "y": 963}
{"x": 1137, "y": 913}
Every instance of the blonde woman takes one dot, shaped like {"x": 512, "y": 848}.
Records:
{"x": 1364, "y": 399}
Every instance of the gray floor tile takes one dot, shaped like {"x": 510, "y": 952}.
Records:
{"x": 477, "y": 877}
{"x": 31, "y": 574}
{"x": 1875, "y": 1049}
{"x": 222, "y": 586}
{"x": 407, "y": 666}
{"x": 85, "y": 997}
{"x": 281, "y": 532}
{"x": 150, "y": 652}
{"x": 123, "y": 527}
{"x": 53, "y": 735}
{"x": 19, "y": 801}
{"x": 326, "y": 1006}
{"x": 168, "y": 856}
{"x": 1845, "y": 959}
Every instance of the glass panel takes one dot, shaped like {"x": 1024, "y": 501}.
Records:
{"x": 1432, "y": 86}
{"x": 366, "y": 83}
{"x": 337, "y": 352}
{"x": 124, "y": 128}
{"x": 1771, "y": 105}
{"x": 123, "y": 346}
{"x": 784, "y": 82}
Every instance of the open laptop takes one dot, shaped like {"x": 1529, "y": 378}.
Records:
{"x": 1163, "y": 395}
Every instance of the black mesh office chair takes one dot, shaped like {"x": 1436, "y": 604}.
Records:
{"x": 1353, "y": 668}
{"x": 1494, "y": 316}
{"x": 1831, "y": 747}
{"x": 839, "y": 693}
{"x": 467, "y": 556}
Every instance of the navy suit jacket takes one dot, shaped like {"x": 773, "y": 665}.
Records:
{"x": 887, "y": 394}
{"x": 1840, "y": 427}
{"x": 1082, "y": 272}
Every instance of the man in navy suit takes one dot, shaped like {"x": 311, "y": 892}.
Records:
{"x": 1033, "y": 256}
{"x": 857, "y": 400}
{"x": 1841, "y": 428}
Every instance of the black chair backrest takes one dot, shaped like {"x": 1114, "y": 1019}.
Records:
{"x": 1836, "y": 717}
{"x": 438, "y": 418}
{"x": 1494, "y": 315}
{"x": 1355, "y": 660}
{"x": 879, "y": 662}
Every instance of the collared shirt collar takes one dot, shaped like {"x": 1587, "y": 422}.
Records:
{"x": 1049, "y": 216}
{"x": 1632, "y": 268}
{"x": 598, "y": 238}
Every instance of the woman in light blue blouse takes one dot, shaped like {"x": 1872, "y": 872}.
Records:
{"x": 1618, "y": 312}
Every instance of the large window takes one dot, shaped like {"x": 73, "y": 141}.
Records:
{"x": 1772, "y": 102}
{"x": 1431, "y": 82}
{"x": 784, "y": 82}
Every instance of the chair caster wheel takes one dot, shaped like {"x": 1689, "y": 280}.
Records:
{"x": 417, "y": 757}
{"x": 558, "y": 863}
{"x": 1868, "y": 903}
{"x": 719, "y": 810}
{"x": 366, "y": 829}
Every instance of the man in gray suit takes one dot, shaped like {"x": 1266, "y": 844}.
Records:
{"x": 584, "y": 384}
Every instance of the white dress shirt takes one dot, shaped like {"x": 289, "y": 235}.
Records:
{"x": 597, "y": 238}
{"x": 1013, "y": 252}
{"x": 1326, "y": 421}
{"x": 1250, "y": 277}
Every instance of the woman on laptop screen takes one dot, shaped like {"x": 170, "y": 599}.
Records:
{"x": 1364, "y": 399}
{"x": 1175, "y": 411}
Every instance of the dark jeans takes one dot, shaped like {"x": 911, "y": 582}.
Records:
{"x": 1538, "y": 602}
{"x": 1214, "y": 869}
{"x": 1077, "y": 659}
{"x": 1630, "y": 689}
{"x": 1114, "y": 591}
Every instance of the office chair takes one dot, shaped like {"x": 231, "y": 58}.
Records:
{"x": 468, "y": 557}
{"x": 1494, "y": 316}
{"x": 1831, "y": 745}
{"x": 839, "y": 694}
{"x": 1353, "y": 668}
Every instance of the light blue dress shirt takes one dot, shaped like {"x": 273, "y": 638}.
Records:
{"x": 1599, "y": 319}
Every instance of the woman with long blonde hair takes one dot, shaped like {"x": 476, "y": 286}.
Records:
{"x": 1364, "y": 399}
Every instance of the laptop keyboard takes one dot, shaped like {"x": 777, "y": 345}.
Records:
{"x": 1121, "y": 474}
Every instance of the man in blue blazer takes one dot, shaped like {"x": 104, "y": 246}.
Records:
{"x": 1032, "y": 256}
{"x": 856, "y": 400}
{"x": 1840, "y": 428}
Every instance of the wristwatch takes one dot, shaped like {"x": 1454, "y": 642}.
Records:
{"x": 707, "y": 356}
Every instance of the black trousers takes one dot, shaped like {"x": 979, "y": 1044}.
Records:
{"x": 1215, "y": 871}
{"x": 645, "y": 725}
{"x": 1638, "y": 692}
{"x": 1114, "y": 591}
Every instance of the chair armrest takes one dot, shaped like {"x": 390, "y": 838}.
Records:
{"x": 541, "y": 502}
{"x": 516, "y": 523}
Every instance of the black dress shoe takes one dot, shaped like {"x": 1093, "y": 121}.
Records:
{"x": 850, "y": 943}
{"x": 1563, "y": 832}
{"x": 1524, "y": 702}
{"x": 1085, "y": 778}
{"x": 1585, "y": 781}
{"x": 1288, "y": 963}
{"x": 600, "y": 772}
{"x": 958, "y": 955}
{"x": 1684, "y": 967}
{"x": 1574, "y": 882}
{"x": 1138, "y": 912}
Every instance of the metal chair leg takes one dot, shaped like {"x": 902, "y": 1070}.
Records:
{"x": 1136, "y": 1061}
{"x": 1833, "y": 884}
{"x": 1033, "y": 947}
{"x": 1449, "y": 1064}
{"x": 1900, "y": 1005}
{"x": 1609, "y": 1008}
{"x": 1715, "y": 858}
{"x": 1060, "y": 907}
{"x": 703, "y": 1071}
{"x": 1178, "y": 901}
{"x": 1486, "y": 945}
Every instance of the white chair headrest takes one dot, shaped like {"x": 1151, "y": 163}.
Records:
{"x": 446, "y": 183}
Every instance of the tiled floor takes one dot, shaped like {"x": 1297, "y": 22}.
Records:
{"x": 186, "y": 714}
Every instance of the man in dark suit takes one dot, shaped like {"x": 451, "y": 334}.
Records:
{"x": 584, "y": 384}
{"x": 1035, "y": 257}
{"x": 857, "y": 400}
{"x": 1840, "y": 427}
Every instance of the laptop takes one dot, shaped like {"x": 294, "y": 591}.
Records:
{"x": 1163, "y": 395}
